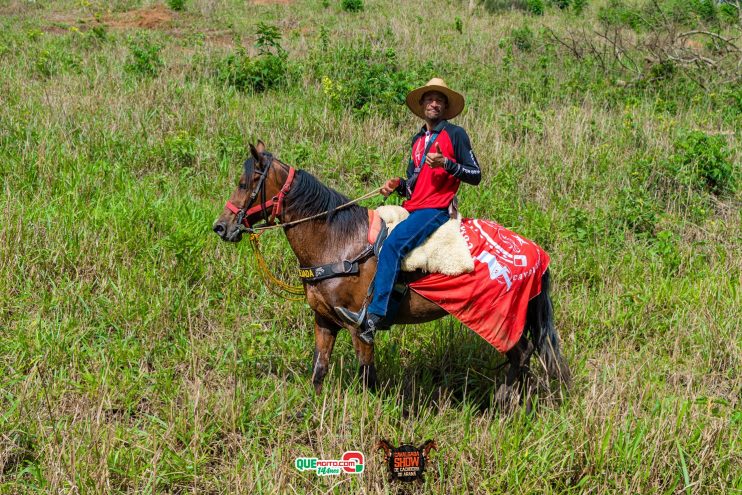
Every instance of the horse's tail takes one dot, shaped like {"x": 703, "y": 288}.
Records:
{"x": 544, "y": 335}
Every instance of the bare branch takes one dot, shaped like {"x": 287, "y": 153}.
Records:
{"x": 708, "y": 33}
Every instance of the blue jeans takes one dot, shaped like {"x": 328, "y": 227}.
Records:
{"x": 405, "y": 237}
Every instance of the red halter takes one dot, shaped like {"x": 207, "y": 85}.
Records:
{"x": 276, "y": 202}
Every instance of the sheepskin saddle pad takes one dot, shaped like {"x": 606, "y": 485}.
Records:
{"x": 444, "y": 252}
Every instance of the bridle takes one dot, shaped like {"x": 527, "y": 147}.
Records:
{"x": 275, "y": 204}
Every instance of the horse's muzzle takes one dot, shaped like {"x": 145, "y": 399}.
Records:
{"x": 230, "y": 235}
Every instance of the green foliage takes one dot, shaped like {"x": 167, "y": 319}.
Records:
{"x": 731, "y": 103}
{"x": 618, "y": 13}
{"x": 665, "y": 245}
{"x": 259, "y": 74}
{"x": 270, "y": 69}
{"x": 351, "y": 5}
{"x": 662, "y": 70}
{"x": 535, "y": 7}
{"x": 268, "y": 39}
{"x": 99, "y": 31}
{"x": 180, "y": 149}
{"x": 584, "y": 228}
{"x": 459, "y": 25}
{"x": 579, "y": 6}
{"x": 144, "y": 58}
{"x": 705, "y": 9}
{"x": 636, "y": 210}
{"x": 522, "y": 38}
{"x": 690, "y": 12}
{"x": 54, "y": 58}
{"x": 561, "y": 4}
{"x": 363, "y": 79}
{"x": 728, "y": 13}
{"x": 704, "y": 162}
{"x": 645, "y": 16}
{"x": 526, "y": 124}
{"x": 178, "y": 5}
{"x": 143, "y": 354}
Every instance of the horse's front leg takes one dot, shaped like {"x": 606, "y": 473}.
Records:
{"x": 365, "y": 355}
{"x": 325, "y": 332}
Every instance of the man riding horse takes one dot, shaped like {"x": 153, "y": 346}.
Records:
{"x": 433, "y": 177}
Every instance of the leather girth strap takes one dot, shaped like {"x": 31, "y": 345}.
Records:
{"x": 376, "y": 235}
{"x": 344, "y": 267}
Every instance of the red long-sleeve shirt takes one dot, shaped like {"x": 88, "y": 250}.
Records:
{"x": 435, "y": 188}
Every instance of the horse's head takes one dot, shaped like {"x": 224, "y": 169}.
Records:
{"x": 259, "y": 195}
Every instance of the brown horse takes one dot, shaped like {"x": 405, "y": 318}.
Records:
{"x": 342, "y": 235}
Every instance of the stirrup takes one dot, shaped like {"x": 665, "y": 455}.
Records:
{"x": 351, "y": 317}
{"x": 367, "y": 335}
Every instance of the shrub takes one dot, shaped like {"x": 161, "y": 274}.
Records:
{"x": 703, "y": 161}
{"x": 705, "y": 9}
{"x": 535, "y": 7}
{"x": 529, "y": 123}
{"x": 270, "y": 69}
{"x": 662, "y": 70}
{"x": 617, "y": 13}
{"x": 351, "y": 5}
{"x": 243, "y": 73}
{"x": 268, "y": 39}
{"x": 561, "y": 4}
{"x": 144, "y": 57}
{"x": 728, "y": 13}
{"x": 579, "y": 6}
{"x": 178, "y": 5}
{"x": 54, "y": 58}
{"x": 364, "y": 79}
{"x": 459, "y": 25}
{"x": 99, "y": 32}
{"x": 523, "y": 38}
{"x": 636, "y": 210}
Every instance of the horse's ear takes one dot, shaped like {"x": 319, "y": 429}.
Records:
{"x": 255, "y": 153}
{"x": 261, "y": 146}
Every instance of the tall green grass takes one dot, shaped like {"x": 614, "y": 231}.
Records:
{"x": 139, "y": 353}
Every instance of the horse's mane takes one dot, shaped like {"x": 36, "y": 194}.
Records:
{"x": 308, "y": 196}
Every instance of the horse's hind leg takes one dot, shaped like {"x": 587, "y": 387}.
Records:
{"x": 324, "y": 341}
{"x": 519, "y": 357}
{"x": 365, "y": 355}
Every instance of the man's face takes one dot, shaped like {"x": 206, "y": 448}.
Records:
{"x": 434, "y": 104}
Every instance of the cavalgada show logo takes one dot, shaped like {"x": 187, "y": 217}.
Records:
{"x": 351, "y": 462}
{"x": 406, "y": 462}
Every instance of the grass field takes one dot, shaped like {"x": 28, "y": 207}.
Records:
{"x": 141, "y": 354}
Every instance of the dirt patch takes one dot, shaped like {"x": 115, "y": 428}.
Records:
{"x": 153, "y": 17}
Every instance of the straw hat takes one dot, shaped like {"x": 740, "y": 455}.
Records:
{"x": 455, "y": 100}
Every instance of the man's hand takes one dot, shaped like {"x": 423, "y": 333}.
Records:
{"x": 389, "y": 187}
{"x": 435, "y": 160}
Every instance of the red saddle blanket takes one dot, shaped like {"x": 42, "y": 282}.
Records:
{"x": 493, "y": 299}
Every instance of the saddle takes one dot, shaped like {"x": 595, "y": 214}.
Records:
{"x": 445, "y": 252}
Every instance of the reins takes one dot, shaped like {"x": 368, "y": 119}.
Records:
{"x": 261, "y": 228}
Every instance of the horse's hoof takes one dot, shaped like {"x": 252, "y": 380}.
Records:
{"x": 505, "y": 399}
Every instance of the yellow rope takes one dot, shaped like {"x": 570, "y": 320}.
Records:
{"x": 267, "y": 276}
{"x": 296, "y": 291}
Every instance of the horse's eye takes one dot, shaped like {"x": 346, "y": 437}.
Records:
{"x": 243, "y": 185}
